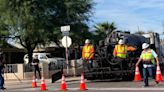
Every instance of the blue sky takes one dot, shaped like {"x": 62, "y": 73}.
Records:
{"x": 131, "y": 15}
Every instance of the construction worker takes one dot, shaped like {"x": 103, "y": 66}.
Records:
{"x": 120, "y": 52}
{"x": 88, "y": 53}
{"x": 147, "y": 57}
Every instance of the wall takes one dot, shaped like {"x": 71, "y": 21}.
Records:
{"x": 19, "y": 72}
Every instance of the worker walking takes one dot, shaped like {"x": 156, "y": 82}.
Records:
{"x": 120, "y": 52}
{"x": 88, "y": 54}
{"x": 147, "y": 57}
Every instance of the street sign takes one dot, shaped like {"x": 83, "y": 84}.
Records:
{"x": 65, "y": 28}
{"x": 66, "y": 41}
{"x": 65, "y": 33}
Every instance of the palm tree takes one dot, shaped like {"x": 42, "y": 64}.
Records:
{"x": 102, "y": 30}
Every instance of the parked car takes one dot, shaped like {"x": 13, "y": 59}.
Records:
{"x": 45, "y": 57}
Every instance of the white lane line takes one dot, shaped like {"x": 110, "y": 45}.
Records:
{"x": 148, "y": 88}
{"x": 100, "y": 89}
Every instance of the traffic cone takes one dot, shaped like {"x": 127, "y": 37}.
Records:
{"x": 43, "y": 85}
{"x": 63, "y": 85}
{"x": 34, "y": 84}
{"x": 137, "y": 74}
{"x": 158, "y": 77}
{"x": 82, "y": 83}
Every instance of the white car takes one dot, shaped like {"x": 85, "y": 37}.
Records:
{"x": 45, "y": 57}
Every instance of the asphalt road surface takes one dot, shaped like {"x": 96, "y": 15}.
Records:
{"x": 73, "y": 86}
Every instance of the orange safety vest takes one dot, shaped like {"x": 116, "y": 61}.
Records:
{"x": 88, "y": 52}
{"x": 121, "y": 50}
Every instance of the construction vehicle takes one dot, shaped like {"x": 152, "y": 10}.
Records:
{"x": 105, "y": 66}
{"x": 154, "y": 41}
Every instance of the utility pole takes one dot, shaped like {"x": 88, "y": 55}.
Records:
{"x": 138, "y": 28}
{"x": 162, "y": 31}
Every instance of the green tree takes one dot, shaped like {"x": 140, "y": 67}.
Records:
{"x": 23, "y": 22}
{"x": 102, "y": 30}
{"x": 3, "y": 30}
{"x": 79, "y": 33}
{"x": 75, "y": 13}
{"x": 34, "y": 22}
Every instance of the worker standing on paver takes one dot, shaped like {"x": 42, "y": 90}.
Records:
{"x": 147, "y": 57}
{"x": 120, "y": 52}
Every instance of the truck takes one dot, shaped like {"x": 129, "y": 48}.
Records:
{"x": 104, "y": 64}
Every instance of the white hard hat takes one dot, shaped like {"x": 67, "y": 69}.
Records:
{"x": 87, "y": 41}
{"x": 121, "y": 41}
{"x": 145, "y": 45}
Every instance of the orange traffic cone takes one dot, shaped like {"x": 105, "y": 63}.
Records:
{"x": 63, "y": 85}
{"x": 34, "y": 84}
{"x": 158, "y": 74}
{"x": 137, "y": 76}
{"x": 82, "y": 83}
{"x": 43, "y": 85}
